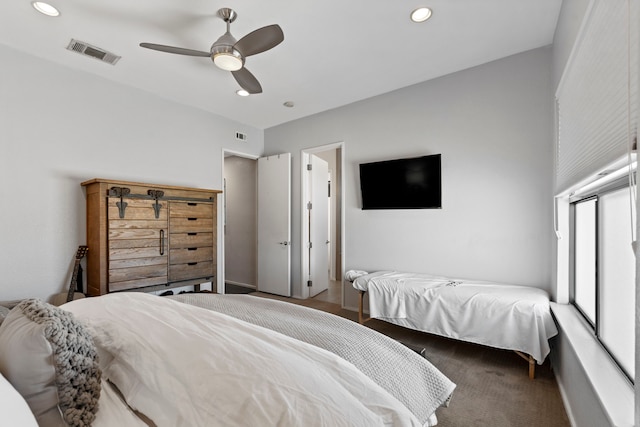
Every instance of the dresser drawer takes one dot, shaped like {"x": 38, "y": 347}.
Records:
{"x": 191, "y": 209}
{"x": 192, "y": 270}
{"x": 191, "y": 240}
{"x": 189, "y": 255}
{"x": 190, "y": 225}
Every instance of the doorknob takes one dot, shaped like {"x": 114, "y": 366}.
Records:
{"x": 327, "y": 242}
{"x": 284, "y": 243}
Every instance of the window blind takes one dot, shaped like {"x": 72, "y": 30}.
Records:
{"x": 598, "y": 94}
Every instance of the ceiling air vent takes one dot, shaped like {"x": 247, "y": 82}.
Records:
{"x": 241, "y": 136}
{"x": 92, "y": 51}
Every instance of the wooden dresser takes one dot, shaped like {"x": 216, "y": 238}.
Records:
{"x": 149, "y": 237}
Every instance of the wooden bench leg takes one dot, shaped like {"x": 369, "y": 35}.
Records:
{"x": 532, "y": 363}
{"x": 361, "y": 307}
{"x": 361, "y": 318}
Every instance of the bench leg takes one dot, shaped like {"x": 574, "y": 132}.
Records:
{"x": 532, "y": 363}
{"x": 361, "y": 307}
{"x": 532, "y": 368}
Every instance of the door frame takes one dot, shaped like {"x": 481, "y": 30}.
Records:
{"x": 222, "y": 207}
{"x": 304, "y": 219}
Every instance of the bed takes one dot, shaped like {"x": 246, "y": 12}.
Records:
{"x": 200, "y": 359}
{"x": 498, "y": 315}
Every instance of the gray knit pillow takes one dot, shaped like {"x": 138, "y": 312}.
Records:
{"x": 51, "y": 359}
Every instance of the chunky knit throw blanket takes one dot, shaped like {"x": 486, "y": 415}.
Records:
{"x": 77, "y": 374}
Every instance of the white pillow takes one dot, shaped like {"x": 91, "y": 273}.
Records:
{"x": 50, "y": 359}
{"x": 14, "y": 409}
{"x": 352, "y": 275}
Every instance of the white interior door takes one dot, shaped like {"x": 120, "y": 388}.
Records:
{"x": 274, "y": 224}
{"x": 318, "y": 225}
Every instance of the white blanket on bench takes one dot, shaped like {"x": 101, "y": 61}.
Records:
{"x": 498, "y": 315}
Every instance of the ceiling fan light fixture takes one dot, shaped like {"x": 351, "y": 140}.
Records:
{"x": 421, "y": 14}
{"x": 224, "y": 55}
{"x": 227, "y": 61}
{"x": 242, "y": 92}
{"x": 45, "y": 8}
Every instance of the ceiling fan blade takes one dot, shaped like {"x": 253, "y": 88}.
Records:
{"x": 178, "y": 50}
{"x": 247, "y": 81}
{"x": 260, "y": 40}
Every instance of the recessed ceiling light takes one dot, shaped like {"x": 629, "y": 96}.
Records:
{"x": 242, "y": 92}
{"x": 288, "y": 104}
{"x": 45, "y": 8}
{"x": 421, "y": 14}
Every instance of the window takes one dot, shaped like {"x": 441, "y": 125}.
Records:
{"x": 603, "y": 280}
{"x": 585, "y": 249}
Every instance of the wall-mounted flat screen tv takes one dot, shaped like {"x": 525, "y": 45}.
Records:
{"x": 413, "y": 183}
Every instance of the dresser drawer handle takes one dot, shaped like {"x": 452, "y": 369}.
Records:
{"x": 192, "y": 204}
{"x": 192, "y": 234}
{"x": 191, "y": 263}
{"x": 192, "y": 249}
{"x": 192, "y": 219}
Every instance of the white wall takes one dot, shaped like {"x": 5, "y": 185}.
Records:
{"x": 59, "y": 127}
{"x": 493, "y": 126}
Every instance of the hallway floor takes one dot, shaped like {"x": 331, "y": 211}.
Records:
{"x": 333, "y": 294}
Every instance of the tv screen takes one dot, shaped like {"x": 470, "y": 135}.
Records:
{"x": 413, "y": 183}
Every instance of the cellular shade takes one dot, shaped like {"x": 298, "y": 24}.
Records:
{"x": 598, "y": 94}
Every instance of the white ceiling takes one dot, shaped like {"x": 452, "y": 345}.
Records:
{"x": 335, "y": 52}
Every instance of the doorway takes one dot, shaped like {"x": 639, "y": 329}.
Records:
{"x": 239, "y": 217}
{"x": 257, "y": 223}
{"x": 332, "y": 154}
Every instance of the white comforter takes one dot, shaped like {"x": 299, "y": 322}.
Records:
{"x": 186, "y": 366}
{"x": 498, "y": 315}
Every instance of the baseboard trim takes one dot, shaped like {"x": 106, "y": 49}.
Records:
{"x": 244, "y": 285}
{"x": 565, "y": 401}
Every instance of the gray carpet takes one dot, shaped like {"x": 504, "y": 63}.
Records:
{"x": 493, "y": 386}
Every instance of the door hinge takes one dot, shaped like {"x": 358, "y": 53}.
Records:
{"x": 309, "y": 206}
{"x": 309, "y": 283}
{"x": 310, "y": 245}
{"x": 309, "y": 167}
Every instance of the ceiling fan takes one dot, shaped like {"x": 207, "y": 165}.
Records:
{"x": 229, "y": 54}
